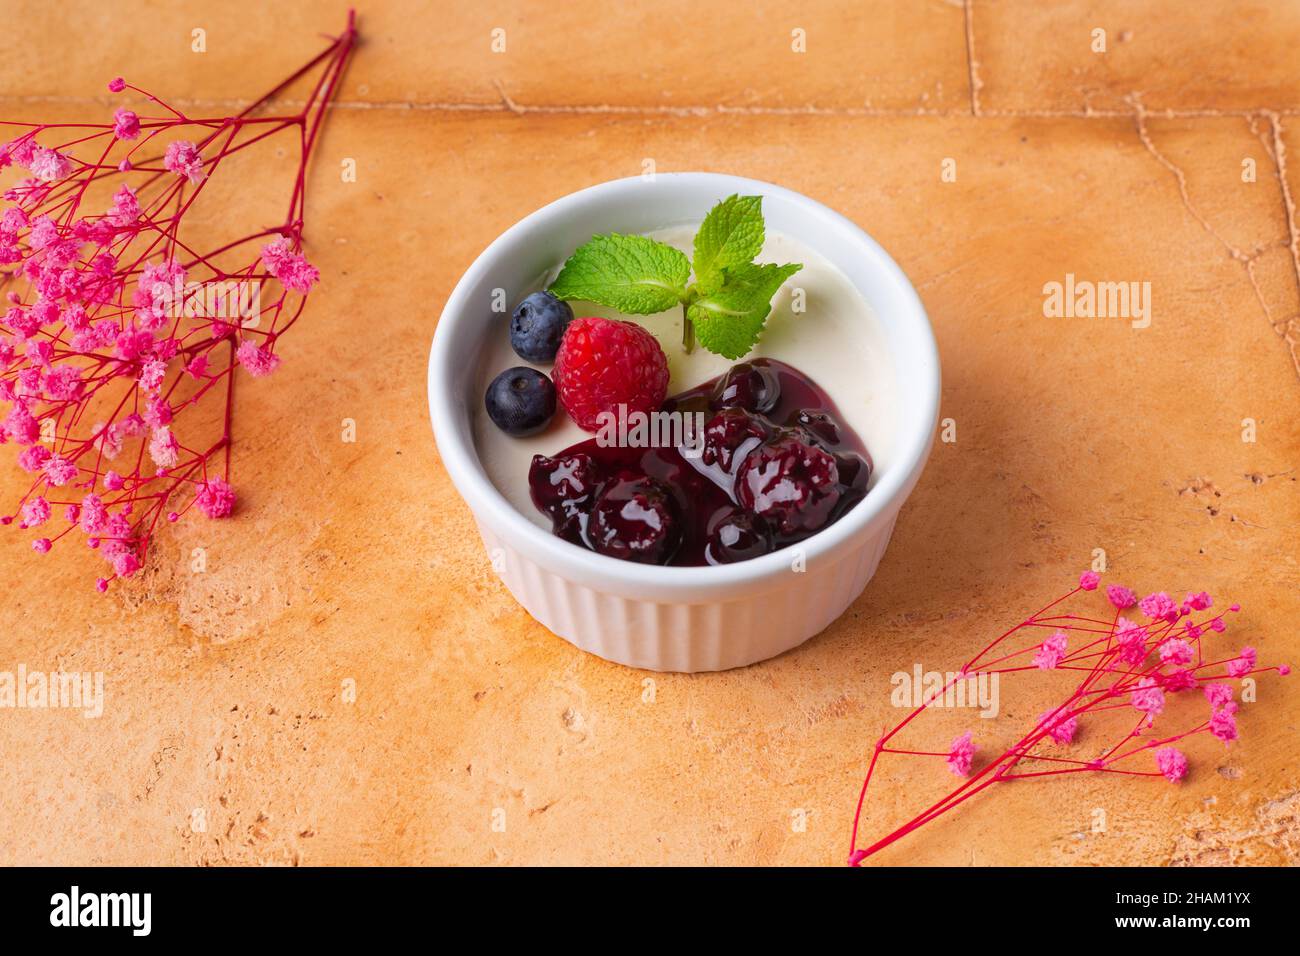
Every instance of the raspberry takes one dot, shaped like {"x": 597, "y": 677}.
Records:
{"x": 604, "y": 363}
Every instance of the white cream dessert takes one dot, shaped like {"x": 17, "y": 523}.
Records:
{"x": 819, "y": 324}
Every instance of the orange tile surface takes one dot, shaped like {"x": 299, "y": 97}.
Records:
{"x": 1164, "y": 54}
{"x": 356, "y": 561}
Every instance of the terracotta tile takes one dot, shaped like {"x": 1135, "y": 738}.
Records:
{"x": 675, "y": 54}
{"x": 1169, "y": 54}
{"x": 358, "y": 561}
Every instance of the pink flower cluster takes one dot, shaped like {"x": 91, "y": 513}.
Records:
{"x": 1113, "y": 665}
{"x": 110, "y": 332}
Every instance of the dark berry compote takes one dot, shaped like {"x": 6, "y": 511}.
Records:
{"x": 775, "y": 465}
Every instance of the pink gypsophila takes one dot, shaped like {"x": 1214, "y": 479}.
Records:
{"x": 1243, "y": 665}
{"x": 256, "y": 360}
{"x": 35, "y": 512}
{"x": 1121, "y": 597}
{"x": 1171, "y": 762}
{"x": 91, "y": 330}
{"x": 961, "y": 754}
{"x": 1131, "y": 638}
{"x": 1149, "y": 698}
{"x": 1223, "y": 723}
{"x": 1089, "y": 580}
{"x": 216, "y": 498}
{"x": 1219, "y": 695}
{"x": 126, "y": 125}
{"x": 1062, "y": 731}
{"x": 48, "y": 165}
{"x": 292, "y": 269}
{"x": 1051, "y": 652}
{"x": 1159, "y": 607}
{"x": 183, "y": 158}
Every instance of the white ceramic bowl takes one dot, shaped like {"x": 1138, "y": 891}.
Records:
{"x": 672, "y": 618}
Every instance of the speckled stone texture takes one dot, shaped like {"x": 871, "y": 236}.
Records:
{"x": 476, "y": 736}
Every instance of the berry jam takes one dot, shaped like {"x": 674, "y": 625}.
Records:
{"x": 773, "y": 465}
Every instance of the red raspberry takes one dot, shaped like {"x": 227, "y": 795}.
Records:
{"x": 604, "y": 363}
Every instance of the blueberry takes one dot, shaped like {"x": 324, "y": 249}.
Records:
{"x": 752, "y": 386}
{"x": 520, "y": 401}
{"x": 736, "y": 536}
{"x": 537, "y": 325}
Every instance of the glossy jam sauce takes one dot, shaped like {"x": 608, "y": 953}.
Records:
{"x": 773, "y": 464}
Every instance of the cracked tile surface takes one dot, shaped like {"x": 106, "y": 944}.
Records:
{"x": 357, "y": 562}
{"x": 1174, "y": 55}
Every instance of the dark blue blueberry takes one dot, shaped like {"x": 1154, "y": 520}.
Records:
{"x": 537, "y": 326}
{"x": 520, "y": 401}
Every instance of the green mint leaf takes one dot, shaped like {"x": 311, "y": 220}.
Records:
{"x": 730, "y": 319}
{"x": 633, "y": 274}
{"x": 731, "y": 235}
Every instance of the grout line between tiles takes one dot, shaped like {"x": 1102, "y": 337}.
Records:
{"x": 509, "y": 105}
{"x": 972, "y": 64}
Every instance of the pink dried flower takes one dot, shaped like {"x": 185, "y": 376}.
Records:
{"x": 164, "y": 449}
{"x": 1089, "y": 580}
{"x": 1062, "y": 731}
{"x": 961, "y": 754}
{"x": 126, "y": 207}
{"x": 1131, "y": 638}
{"x": 1219, "y": 695}
{"x": 116, "y": 85}
{"x": 1121, "y": 597}
{"x": 48, "y": 165}
{"x": 1171, "y": 762}
{"x": 126, "y": 125}
{"x": 1149, "y": 698}
{"x": 1243, "y": 665}
{"x": 34, "y": 458}
{"x": 152, "y": 374}
{"x": 36, "y": 511}
{"x": 1051, "y": 652}
{"x": 89, "y": 327}
{"x": 59, "y": 471}
{"x": 1159, "y": 607}
{"x": 258, "y": 361}
{"x": 1199, "y": 601}
{"x": 1101, "y": 686}
{"x": 41, "y": 545}
{"x": 293, "y": 271}
{"x": 183, "y": 158}
{"x": 1223, "y": 723}
{"x": 157, "y": 412}
{"x": 20, "y": 426}
{"x": 216, "y": 498}
{"x": 94, "y": 516}
{"x": 125, "y": 563}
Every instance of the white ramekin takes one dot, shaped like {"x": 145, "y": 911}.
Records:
{"x": 680, "y": 619}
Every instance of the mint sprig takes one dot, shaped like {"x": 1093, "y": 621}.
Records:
{"x": 725, "y": 307}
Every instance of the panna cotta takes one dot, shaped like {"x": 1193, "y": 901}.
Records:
{"x": 829, "y": 352}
